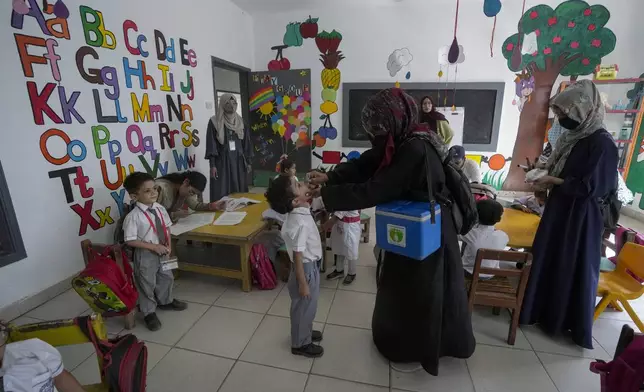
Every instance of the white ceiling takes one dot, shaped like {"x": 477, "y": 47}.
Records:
{"x": 255, "y": 7}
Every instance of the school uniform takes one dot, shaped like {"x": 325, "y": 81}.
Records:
{"x": 151, "y": 225}
{"x": 486, "y": 237}
{"x": 30, "y": 366}
{"x": 345, "y": 239}
{"x": 300, "y": 234}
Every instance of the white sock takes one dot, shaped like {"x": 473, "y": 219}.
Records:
{"x": 352, "y": 267}
{"x": 339, "y": 263}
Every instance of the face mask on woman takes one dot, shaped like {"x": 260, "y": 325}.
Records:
{"x": 568, "y": 123}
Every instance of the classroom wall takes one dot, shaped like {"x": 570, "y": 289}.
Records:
{"x": 50, "y": 221}
{"x": 370, "y": 34}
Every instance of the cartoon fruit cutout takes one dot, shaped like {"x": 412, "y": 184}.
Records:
{"x": 293, "y": 37}
{"x": 285, "y": 64}
{"x": 329, "y": 94}
{"x": 328, "y": 42}
{"x": 319, "y": 140}
{"x": 328, "y": 107}
{"x": 309, "y": 29}
{"x": 331, "y": 74}
{"x": 331, "y": 133}
{"x": 274, "y": 65}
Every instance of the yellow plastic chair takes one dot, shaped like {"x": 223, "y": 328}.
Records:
{"x": 62, "y": 333}
{"x": 619, "y": 286}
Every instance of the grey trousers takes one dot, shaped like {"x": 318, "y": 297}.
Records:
{"x": 303, "y": 310}
{"x": 153, "y": 284}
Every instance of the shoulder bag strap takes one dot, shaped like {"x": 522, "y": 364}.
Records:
{"x": 430, "y": 191}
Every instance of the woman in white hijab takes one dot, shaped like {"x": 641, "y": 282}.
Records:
{"x": 560, "y": 296}
{"x": 229, "y": 150}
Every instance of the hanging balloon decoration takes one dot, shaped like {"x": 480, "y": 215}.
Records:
{"x": 454, "y": 50}
{"x": 491, "y": 8}
{"x": 449, "y": 56}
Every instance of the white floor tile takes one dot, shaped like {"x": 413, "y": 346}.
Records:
{"x": 248, "y": 377}
{"x": 155, "y": 353}
{"x": 493, "y": 330}
{"x": 174, "y": 325}
{"x": 221, "y": 331}
{"x": 75, "y": 354}
{"x": 182, "y": 370}
{"x": 349, "y": 354}
{"x": 560, "y": 345}
{"x": 258, "y": 301}
{"x": 501, "y": 369}
{"x": 282, "y": 305}
{"x": 22, "y": 320}
{"x": 328, "y": 284}
{"x": 365, "y": 281}
{"x": 366, "y": 257}
{"x": 201, "y": 289}
{"x": 570, "y": 374}
{"x": 606, "y": 332}
{"x": 67, "y": 305}
{"x": 271, "y": 345}
{"x": 352, "y": 309}
{"x": 325, "y": 384}
{"x": 453, "y": 376}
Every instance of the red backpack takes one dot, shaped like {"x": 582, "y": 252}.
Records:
{"x": 261, "y": 268}
{"x": 625, "y": 373}
{"x": 104, "y": 286}
{"x": 124, "y": 359}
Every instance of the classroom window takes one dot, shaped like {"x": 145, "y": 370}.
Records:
{"x": 12, "y": 248}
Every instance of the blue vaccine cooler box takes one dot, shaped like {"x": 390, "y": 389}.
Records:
{"x": 405, "y": 228}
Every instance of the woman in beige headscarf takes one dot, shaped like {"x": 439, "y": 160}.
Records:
{"x": 229, "y": 150}
{"x": 560, "y": 296}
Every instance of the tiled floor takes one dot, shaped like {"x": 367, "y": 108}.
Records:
{"x": 231, "y": 341}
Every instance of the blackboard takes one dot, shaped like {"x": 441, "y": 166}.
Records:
{"x": 280, "y": 113}
{"x": 482, "y": 103}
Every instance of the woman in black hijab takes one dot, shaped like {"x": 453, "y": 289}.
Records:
{"x": 435, "y": 120}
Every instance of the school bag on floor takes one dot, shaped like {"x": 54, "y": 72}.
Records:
{"x": 124, "y": 359}
{"x": 104, "y": 286}
{"x": 261, "y": 268}
{"x": 625, "y": 373}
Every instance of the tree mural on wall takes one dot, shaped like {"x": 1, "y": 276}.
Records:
{"x": 570, "y": 41}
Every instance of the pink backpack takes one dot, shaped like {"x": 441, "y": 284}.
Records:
{"x": 625, "y": 373}
{"x": 261, "y": 268}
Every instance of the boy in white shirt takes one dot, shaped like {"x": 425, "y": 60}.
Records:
{"x": 345, "y": 242}
{"x": 32, "y": 366}
{"x": 300, "y": 233}
{"x": 146, "y": 229}
{"x": 484, "y": 235}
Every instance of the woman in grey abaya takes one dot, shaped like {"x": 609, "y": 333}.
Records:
{"x": 229, "y": 150}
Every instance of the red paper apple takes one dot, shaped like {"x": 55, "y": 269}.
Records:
{"x": 274, "y": 65}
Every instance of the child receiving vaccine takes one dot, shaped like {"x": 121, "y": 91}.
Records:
{"x": 300, "y": 233}
{"x": 345, "y": 241}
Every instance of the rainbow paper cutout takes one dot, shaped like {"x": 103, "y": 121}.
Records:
{"x": 261, "y": 97}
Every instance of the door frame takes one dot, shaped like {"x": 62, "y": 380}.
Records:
{"x": 216, "y": 62}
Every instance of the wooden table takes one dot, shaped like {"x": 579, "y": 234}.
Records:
{"x": 520, "y": 226}
{"x": 242, "y": 235}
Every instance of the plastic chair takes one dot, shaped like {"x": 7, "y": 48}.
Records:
{"x": 621, "y": 285}
{"x": 62, "y": 333}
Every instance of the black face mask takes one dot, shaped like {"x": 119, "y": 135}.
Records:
{"x": 568, "y": 123}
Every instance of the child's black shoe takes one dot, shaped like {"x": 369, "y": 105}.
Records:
{"x": 349, "y": 279}
{"x": 152, "y": 322}
{"x": 174, "y": 305}
{"x": 316, "y": 336}
{"x": 309, "y": 351}
{"x": 335, "y": 275}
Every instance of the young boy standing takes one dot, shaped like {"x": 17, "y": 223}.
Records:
{"x": 300, "y": 233}
{"x": 345, "y": 241}
{"x": 146, "y": 229}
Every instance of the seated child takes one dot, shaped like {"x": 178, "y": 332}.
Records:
{"x": 533, "y": 204}
{"x": 300, "y": 233}
{"x": 345, "y": 241}
{"x": 484, "y": 235}
{"x": 146, "y": 230}
{"x": 32, "y": 366}
{"x": 287, "y": 167}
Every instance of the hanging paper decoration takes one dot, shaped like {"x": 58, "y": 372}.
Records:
{"x": 491, "y": 8}
{"x": 20, "y": 7}
{"x": 398, "y": 59}
{"x": 280, "y": 63}
{"x": 454, "y": 50}
{"x": 60, "y": 10}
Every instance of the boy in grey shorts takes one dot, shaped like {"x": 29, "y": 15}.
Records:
{"x": 300, "y": 233}
{"x": 146, "y": 229}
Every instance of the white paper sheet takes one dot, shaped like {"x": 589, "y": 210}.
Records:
{"x": 234, "y": 204}
{"x": 192, "y": 222}
{"x": 230, "y": 219}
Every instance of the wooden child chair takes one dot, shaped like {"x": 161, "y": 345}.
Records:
{"x": 63, "y": 333}
{"x": 117, "y": 255}
{"x": 621, "y": 284}
{"x": 498, "y": 291}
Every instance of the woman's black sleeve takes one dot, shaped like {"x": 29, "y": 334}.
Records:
{"x": 356, "y": 170}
